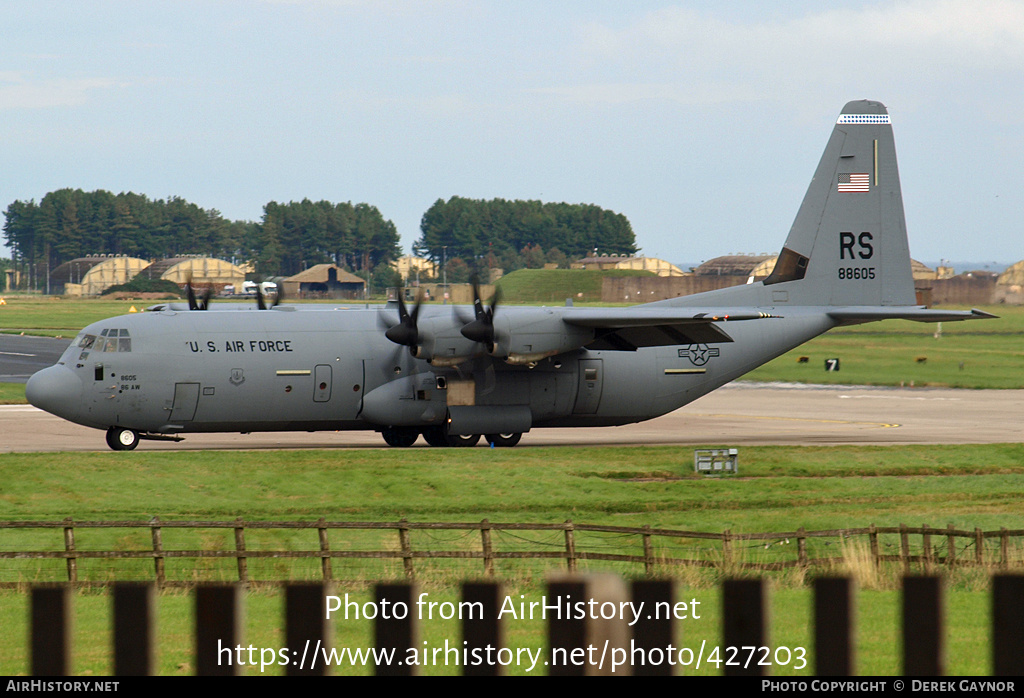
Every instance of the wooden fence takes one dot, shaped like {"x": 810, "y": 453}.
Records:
{"x": 654, "y": 548}
{"x": 594, "y": 642}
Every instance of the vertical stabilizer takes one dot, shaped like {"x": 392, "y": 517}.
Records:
{"x": 848, "y": 244}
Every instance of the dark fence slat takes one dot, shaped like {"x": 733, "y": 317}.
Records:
{"x": 307, "y": 630}
{"x": 481, "y": 627}
{"x": 834, "y": 626}
{"x": 134, "y": 629}
{"x": 655, "y": 629}
{"x": 924, "y": 643}
{"x": 218, "y": 629}
{"x": 395, "y": 634}
{"x": 51, "y": 630}
{"x": 1008, "y": 625}
{"x": 744, "y": 624}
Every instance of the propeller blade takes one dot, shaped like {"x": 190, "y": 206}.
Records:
{"x": 406, "y": 332}
{"x": 481, "y": 329}
{"x": 195, "y": 303}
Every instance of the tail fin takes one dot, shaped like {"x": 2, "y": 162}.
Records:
{"x": 848, "y": 244}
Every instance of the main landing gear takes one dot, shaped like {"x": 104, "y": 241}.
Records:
{"x": 404, "y": 437}
{"x": 121, "y": 439}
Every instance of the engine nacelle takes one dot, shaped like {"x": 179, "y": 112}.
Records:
{"x": 535, "y": 336}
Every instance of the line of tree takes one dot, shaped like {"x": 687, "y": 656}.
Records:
{"x": 469, "y": 236}
{"x": 478, "y": 234}
{"x": 71, "y": 223}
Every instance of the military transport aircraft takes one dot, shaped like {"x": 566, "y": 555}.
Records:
{"x": 453, "y": 373}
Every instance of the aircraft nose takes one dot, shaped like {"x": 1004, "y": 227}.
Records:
{"x": 56, "y": 390}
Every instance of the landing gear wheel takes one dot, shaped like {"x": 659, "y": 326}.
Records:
{"x": 401, "y": 437}
{"x": 435, "y": 436}
{"x": 463, "y": 440}
{"x": 504, "y": 440}
{"x": 121, "y": 439}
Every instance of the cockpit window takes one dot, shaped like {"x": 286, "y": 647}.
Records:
{"x": 110, "y": 340}
{"x": 86, "y": 341}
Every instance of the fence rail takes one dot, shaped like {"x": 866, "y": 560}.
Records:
{"x": 655, "y": 548}
{"x": 650, "y": 647}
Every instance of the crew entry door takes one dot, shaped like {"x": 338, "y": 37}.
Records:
{"x": 186, "y": 399}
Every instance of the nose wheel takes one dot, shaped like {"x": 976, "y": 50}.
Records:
{"x": 121, "y": 439}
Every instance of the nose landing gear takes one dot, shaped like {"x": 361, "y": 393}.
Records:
{"x": 121, "y": 439}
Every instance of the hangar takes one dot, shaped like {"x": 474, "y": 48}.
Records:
{"x": 197, "y": 269}
{"x": 91, "y": 276}
{"x": 324, "y": 281}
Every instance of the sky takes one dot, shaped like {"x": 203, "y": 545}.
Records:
{"x": 702, "y": 122}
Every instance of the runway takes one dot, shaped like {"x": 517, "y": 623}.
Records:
{"x": 738, "y": 414}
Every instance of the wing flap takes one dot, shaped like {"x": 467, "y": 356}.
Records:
{"x": 627, "y": 329}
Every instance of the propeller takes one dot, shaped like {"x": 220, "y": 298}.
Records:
{"x": 197, "y": 303}
{"x": 261, "y": 301}
{"x": 406, "y": 332}
{"x": 481, "y": 328}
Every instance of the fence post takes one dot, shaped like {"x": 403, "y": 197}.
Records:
{"x": 726, "y": 548}
{"x": 835, "y": 615}
{"x": 801, "y": 547}
{"x": 219, "y": 626}
{"x": 1004, "y": 548}
{"x": 134, "y": 629}
{"x": 979, "y": 547}
{"x": 744, "y": 622}
{"x": 325, "y": 547}
{"x": 51, "y": 630}
{"x": 397, "y": 635}
{"x": 905, "y": 548}
{"x": 485, "y": 542}
{"x": 69, "y": 547}
{"x": 484, "y": 631}
{"x": 158, "y": 548}
{"x": 873, "y": 538}
{"x": 243, "y": 563}
{"x": 307, "y": 627}
{"x": 570, "y": 636}
{"x": 648, "y": 551}
{"x": 406, "y": 543}
{"x": 570, "y": 546}
{"x": 924, "y": 644}
{"x": 1007, "y": 625}
{"x": 926, "y": 544}
{"x": 650, "y": 630}
{"x": 950, "y": 546}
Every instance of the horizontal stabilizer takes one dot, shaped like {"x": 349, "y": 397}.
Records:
{"x": 916, "y": 313}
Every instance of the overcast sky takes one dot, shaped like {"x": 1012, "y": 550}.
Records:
{"x": 702, "y": 122}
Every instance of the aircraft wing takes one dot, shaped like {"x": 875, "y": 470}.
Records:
{"x": 856, "y": 314}
{"x": 626, "y": 329}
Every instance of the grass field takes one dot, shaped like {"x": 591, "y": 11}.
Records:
{"x": 781, "y": 488}
{"x": 972, "y": 354}
{"x": 554, "y": 286}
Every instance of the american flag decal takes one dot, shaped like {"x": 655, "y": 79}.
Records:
{"x": 854, "y": 181}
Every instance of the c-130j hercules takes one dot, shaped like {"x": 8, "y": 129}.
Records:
{"x": 452, "y": 374}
